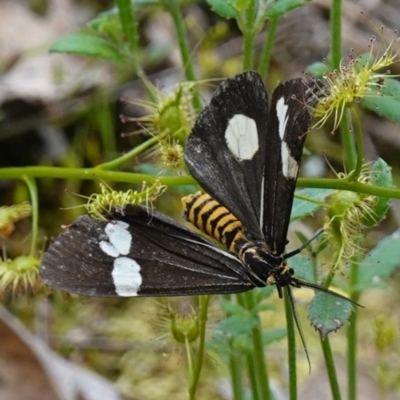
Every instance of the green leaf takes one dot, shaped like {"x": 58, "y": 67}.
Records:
{"x": 221, "y": 345}
{"x": 272, "y": 335}
{"x": 88, "y": 45}
{"x": 232, "y": 308}
{"x": 135, "y": 4}
{"x": 379, "y": 263}
{"x": 302, "y": 267}
{"x": 145, "y": 3}
{"x": 236, "y": 325}
{"x": 106, "y": 22}
{"x": 386, "y": 103}
{"x": 381, "y": 175}
{"x": 224, "y": 8}
{"x": 301, "y": 208}
{"x": 282, "y": 7}
{"x": 263, "y": 307}
{"x": 318, "y": 69}
{"x": 328, "y": 313}
{"x": 263, "y": 293}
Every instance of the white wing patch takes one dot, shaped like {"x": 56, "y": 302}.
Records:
{"x": 281, "y": 111}
{"x": 126, "y": 271}
{"x": 242, "y": 137}
{"x": 119, "y": 239}
{"x": 290, "y": 166}
{"x": 126, "y": 276}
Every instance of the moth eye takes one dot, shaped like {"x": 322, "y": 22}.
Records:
{"x": 291, "y": 271}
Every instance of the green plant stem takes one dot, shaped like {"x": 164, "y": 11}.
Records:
{"x": 341, "y": 184}
{"x": 254, "y": 384}
{"x": 291, "y": 337}
{"x": 129, "y": 23}
{"x": 129, "y": 177}
{"x": 189, "y": 359}
{"x": 92, "y": 174}
{"x": 336, "y": 55}
{"x": 104, "y": 119}
{"x": 249, "y": 34}
{"x": 117, "y": 162}
{"x": 203, "y": 313}
{"x": 352, "y": 356}
{"x": 266, "y": 52}
{"x": 172, "y": 6}
{"x": 30, "y": 182}
{"x": 353, "y": 176}
{"x": 330, "y": 367}
{"x": 258, "y": 351}
{"x": 349, "y": 146}
{"x": 129, "y": 27}
{"x": 352, "y": 337}
{"x": 235, "y": 368}
{"x": 336, "y": 33}
{"x": 235, "y": 365}
{"x": 328, "y": 280}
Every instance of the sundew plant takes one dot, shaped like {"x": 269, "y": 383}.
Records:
{"x": 237, "y": 336}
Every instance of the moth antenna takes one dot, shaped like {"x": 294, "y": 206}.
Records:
{"x": 300, "y": 283}
{"x": 297, "y": 322}
{"x": 303, "y": 246}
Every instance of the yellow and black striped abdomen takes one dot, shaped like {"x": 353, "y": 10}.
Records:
{"x": 212, "y": 218}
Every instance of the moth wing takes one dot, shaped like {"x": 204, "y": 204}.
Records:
{"x": 163, "y": 259}
{"x": 225, "y": 150}
{"x": 289, "y": 121}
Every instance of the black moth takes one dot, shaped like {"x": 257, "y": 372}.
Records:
{"x": 245, "y": 155}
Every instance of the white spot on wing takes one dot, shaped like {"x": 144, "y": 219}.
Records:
{"x": 119, "y": 237}
{"x": 126, "y": 271}
{"x": 290, "y": 166}
{"x": 109, "y": 249}
{"x": 242, "y": 137}
{"x": 281, "y": 112}
{"x": 126, "y": 276}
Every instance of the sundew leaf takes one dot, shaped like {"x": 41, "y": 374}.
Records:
{"x": 86, "y": 45}
{"x": 328, "y": 313}
{"x": 379, "y": 263}
{"x": 301, "y": 208}
{"x": 282, "y": 7}
{"x": 386, "y": 103}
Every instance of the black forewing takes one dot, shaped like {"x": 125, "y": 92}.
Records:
{"x": 173, "y": 260}
{"x": 278, "y": 188}
{"x": 233, "y": 183}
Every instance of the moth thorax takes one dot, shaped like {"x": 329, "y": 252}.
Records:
{"x": 212, "y": 218}
{"x": 269, "y": 268}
